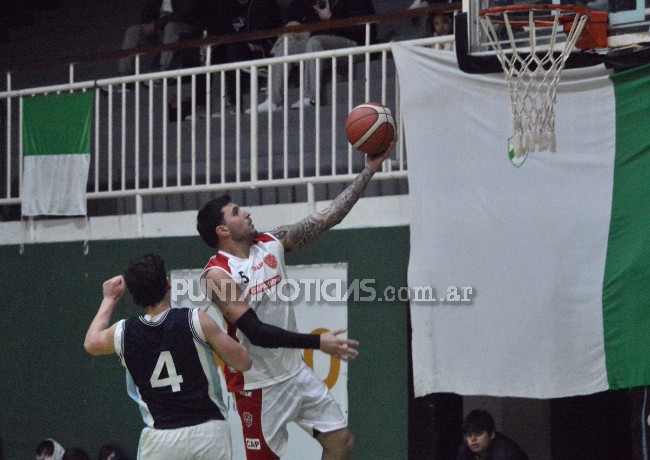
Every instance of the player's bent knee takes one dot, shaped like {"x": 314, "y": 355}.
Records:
{"x": 337, "y": 444}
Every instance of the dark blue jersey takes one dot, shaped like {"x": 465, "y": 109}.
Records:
{"x": 171, "y": 373}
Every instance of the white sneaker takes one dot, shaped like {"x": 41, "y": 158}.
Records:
{"x": 306, "y": 102}
{"x": 264, "y": 107}
{"x": 229, "y": 111}
{"x": 200, "y": 114}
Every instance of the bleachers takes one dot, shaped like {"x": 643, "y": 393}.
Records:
{"x": 143, "y": 149}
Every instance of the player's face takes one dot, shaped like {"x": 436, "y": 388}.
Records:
{"x": 478, "y": 442}
{"x": 239, "y": 222}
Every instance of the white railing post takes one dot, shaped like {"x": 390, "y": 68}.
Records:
{"x": 311, "y": 197}
{"x": 139, "y": 212}
{"x": 21, "y": 150}
{"x": 8, "y": 140}
{"x": 254, "y": 139}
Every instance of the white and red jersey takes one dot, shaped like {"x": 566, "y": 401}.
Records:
{"x": 258, "y": 277}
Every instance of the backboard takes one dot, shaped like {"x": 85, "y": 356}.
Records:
{"x": 628, "y": 25}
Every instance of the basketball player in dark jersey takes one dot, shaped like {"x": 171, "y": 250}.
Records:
{"x": 171, "y": 373}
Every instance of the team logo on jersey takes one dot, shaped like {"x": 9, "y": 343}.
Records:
{"x": 253, "y": 444}
{"x": 247, "y": 417}
{"x": 264, "y": 285}
{"x": 271, "y": 261}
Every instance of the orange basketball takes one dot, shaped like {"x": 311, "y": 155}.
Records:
{"x": 370, "y": 128}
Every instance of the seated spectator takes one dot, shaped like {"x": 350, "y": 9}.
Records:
{"x": 49, "y": 449}
{"x": 439, "y": 24}
{"x": 312, "y": 11}
{"x": 111, "y": 452}
{"x": 241, "y": 16}
{"x": 162, "y": 22}
{"x": 75, "y": 453}
{"x": 483, "y": 442}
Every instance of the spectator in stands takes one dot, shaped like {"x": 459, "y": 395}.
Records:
{"x": 483, "y": 442}
{"x": 440, "y": 24}
{"x": 49, "y": 449}
{"x": 437, "y": 24}
{"x": 242, "y": 16}
{"x": 111, "y": 451}
{"x": 162, "y": 21}
{"x": 313, "y": 11}
{"x": 75, "y": 453}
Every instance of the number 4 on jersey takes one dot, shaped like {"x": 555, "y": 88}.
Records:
{"x": 173, "y": 379}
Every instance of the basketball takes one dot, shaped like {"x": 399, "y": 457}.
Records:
{"x": 370, "y": 128}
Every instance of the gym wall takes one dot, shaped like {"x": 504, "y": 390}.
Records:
{"x": 50, "y": 387}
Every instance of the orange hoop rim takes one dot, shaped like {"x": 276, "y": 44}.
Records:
{"x": 566, "y": 13}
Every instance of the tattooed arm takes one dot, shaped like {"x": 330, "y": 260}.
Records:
{"x": 309, "y": 229}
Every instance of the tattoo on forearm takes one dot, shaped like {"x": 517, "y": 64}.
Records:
{"x": 313, "y": 226}
{"x": 280, "y": 232}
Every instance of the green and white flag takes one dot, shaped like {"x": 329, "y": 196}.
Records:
{"x": 556, "y": 250}
{"x": 56, "y": 153}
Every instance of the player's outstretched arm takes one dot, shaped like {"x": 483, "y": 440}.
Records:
{"x": 231, "y": 352}
{"x": 99, "y": 338}
{"x": 309, "y": 229}
{"x": 229, "y": 299}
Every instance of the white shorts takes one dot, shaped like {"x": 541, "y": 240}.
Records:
{"x": 206, "y": 441}
{"x": 265, "y": 413}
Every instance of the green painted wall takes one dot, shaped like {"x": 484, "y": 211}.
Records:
{"x": 51, "y": 388}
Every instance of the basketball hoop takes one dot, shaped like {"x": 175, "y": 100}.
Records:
{"x": 533, "y": 72}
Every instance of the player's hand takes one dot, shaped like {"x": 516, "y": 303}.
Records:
{"x": 114, "y": 288}
{"x": 342, "y": 348}
{"x": 374, "y": 161}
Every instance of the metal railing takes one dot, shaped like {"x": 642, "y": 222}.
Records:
{"x": 153, "y": 133}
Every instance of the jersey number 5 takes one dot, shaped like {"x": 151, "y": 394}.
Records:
{"x": 174, "y": 380}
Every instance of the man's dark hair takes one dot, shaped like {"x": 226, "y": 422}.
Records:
{"x": 45, "y": 447}
{"x": 146, "y": 280}
{"x": 210, "y": 217}
{"x": 107, "y": 449}
{"x": 478, "y": 421}
{"x": 75, "y": 454}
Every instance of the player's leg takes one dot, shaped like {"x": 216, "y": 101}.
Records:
{"x": 264, "y": 415}
{"x": 337, "y": 445}
{"x": 321, "y": 416}
{"x": 209, "y": 441}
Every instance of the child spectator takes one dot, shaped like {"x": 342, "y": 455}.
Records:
{"x": 483, "y": 442}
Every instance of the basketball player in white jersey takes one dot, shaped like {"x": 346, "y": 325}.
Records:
{"x": 279, "y": 388}
{"x": 171, "y": 372}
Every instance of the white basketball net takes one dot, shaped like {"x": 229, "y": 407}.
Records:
{"x": 532, "y": 76}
